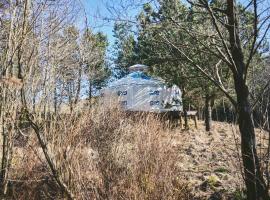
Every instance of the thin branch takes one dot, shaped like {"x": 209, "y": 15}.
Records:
{"x": 260, "y": 94}
{"x": 214, "y": 20}
{"x": 255, "y": 36}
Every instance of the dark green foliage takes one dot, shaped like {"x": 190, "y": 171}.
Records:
{"x": 125, "y": 47}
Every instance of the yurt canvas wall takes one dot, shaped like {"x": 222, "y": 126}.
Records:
{"x": 139, "y": 92}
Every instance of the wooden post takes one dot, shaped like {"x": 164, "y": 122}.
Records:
{"x": 193, "y": 115}
{"x": 195, "y": 120}
{"x": 180, "y": 120}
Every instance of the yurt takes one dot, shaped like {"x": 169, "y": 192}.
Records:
{"x": 140, "y": 92}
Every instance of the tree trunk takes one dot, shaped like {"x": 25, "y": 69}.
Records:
{"x": 5, "y": 142}
{"x": 70, "y": 99}
{"x": 255, "y": 184}
{"x": 34, "y": 102}
{"x": 52, "y": 166}
{"x": 208, "y": 113}
{"x": 90, "y": 93}
{"x": 55, "y": 99}
{"x": 185, "y": 118}
{"x": 185, "y": 109}
{"x": 224, "y": 111}
{"x": 77, "y": 96}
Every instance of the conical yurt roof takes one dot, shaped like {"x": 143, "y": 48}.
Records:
{"x": 138, "y": 67}
{"x": 137, "y": 78}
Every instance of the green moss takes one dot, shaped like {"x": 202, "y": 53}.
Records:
{"x": 212, "y": 181}
{"x": 222, "y": 170}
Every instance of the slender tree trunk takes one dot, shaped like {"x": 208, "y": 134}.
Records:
{"x": 70, "y": 99}
{"x": 5, "y": 140}
{"x": 255, "y": 184}
{"x": 55, "y": 99}
{"x": 78, "y": 91}
{"x": 8, "y": 158}
{"x": 8, "y": 112}
{"x": 34, "y": 102}
{"x": 185, "y": 108}
{"x": 208, "y": 113}
{"x": 50, "y": 162}
{"x": 185, "y": 118}
{"x": 90, "y": 93}
{"x": 4, "y": 153}
{"x": 224, "y": 111}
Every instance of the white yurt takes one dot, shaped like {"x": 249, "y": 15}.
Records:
{"x": 139, "y": 92}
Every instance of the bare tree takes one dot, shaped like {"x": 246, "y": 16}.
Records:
{"x": 26, "y": 68}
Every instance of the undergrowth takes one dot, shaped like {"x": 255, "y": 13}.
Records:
{"x": 100, "y": 154}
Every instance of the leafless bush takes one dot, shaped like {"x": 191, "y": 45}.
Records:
{"x": 100, "y": 154}
{"x": 136, "y": 160}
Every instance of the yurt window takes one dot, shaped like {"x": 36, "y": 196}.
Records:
{"x": 154, "y": 92}
{"x": 122, "y": 93}
{"x": 154, "y": 103}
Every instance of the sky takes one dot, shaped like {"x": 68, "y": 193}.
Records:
{"x": 98, "y": 10}
{"x": 95, "y": 11}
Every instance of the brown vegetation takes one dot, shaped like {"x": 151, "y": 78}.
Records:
{"x": 105, "y": 154}
{"x": 102, "y": 154}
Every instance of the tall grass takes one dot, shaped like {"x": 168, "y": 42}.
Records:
{"x": 101, "y": 154}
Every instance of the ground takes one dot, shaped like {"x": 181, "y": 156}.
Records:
{"x": 209, "y": 160}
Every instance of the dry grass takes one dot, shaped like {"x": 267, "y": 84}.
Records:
{"x": 102, "y": 154}
{"x": 105, "y": 153}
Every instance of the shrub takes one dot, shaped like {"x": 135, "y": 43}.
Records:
{"x": 103, "y": 153}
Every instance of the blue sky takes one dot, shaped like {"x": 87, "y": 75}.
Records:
{"x": 96, "y": 11}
